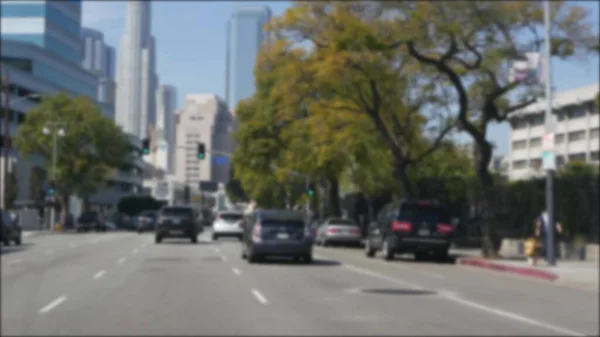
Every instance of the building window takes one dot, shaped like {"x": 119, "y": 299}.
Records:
{"x": 576, "y": 112}
{"x": 25, "y": 65}
{"x": 560, "y": 161}
{"x": 519, "y": 123}
{"x": 535, "y": 164}
{"x": 535, "y": 142}
{"x": 519, "y": 164}
{"x": 519, "y": 144}
{"x": 537, "y": 119}
{"x": 577, "y": 157}
{"x": 561, "y": 115}
{"x": 593, "y": 109}
{"x": 594, "y": 133}
{"x": 559, "y": 139}
{"x": 594, "y": 156}
{"x": 576, "y": 135}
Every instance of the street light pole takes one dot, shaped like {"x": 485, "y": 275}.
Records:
{"x": 550, "y": 239}
{"x": 57, "y": 129}
{"x": 5, "y": 139}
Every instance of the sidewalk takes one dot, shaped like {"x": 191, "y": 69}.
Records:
{"x": 579, "y": 273}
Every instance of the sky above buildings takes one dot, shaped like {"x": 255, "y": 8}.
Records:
{"x": 191, "y": 45}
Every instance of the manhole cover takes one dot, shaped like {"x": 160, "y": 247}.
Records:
{"x": 397, "y": 291}
{"x": 166, "y": 259}
{"x": 212, "y": 259}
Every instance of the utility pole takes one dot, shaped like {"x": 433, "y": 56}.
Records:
{"x": 548, "y": 156}
{"x": 57, "y": 129}
{"x": 5, "y": 139}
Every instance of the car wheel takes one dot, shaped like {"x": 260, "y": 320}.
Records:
{"x": 18, "y": 240}
{"x": 215, "y": 237}
{"x": 420, "y": 256}
{"x": 442, "y": 256}
{"x": 240, "y": 238}
{"x": 6, "y": 242}
{"x": 157, "y": 239}
{"x": 388, "y": 254}
{"x": 194, "y": 239}
{"x": 369, "y": 251}
{"x": 243, "y": 255}
{"x": 252, "y": 258}
{"x": 325, "y": 243}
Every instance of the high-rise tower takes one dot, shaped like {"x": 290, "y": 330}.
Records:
{"x": 136, "y": 74}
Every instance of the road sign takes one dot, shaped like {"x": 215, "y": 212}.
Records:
{"x": 548, "y": 141}
{"x": 548, "y": 160}
{"x": 208, "y": 186}
{"x": 162, "y": 189}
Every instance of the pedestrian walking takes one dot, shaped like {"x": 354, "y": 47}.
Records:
{"x": 542, "y": 227}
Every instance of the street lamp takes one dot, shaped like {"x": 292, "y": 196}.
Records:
{"x": 57, "y": 129}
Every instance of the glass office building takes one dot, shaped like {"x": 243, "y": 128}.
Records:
{"x": 52, "y": 25}
{"x": 245, "y": 35}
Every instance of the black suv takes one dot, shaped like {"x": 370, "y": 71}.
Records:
{"x": 90, "y": 220}
{"x": 178, "y": 222}
{"x": 419, "y": 227}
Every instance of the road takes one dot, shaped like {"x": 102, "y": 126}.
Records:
{"x": 125, "y": 284}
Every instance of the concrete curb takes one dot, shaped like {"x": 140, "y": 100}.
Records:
{"x": 499, "y": 266}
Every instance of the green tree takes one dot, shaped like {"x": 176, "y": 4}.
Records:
{"x": 92, "y": 145}
{"x": 37, "y": 178}
{"x": 12, "y": 190}
{"x": 473, "y": 45}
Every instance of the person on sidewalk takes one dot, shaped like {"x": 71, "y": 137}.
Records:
{"x": 542, "y": 227}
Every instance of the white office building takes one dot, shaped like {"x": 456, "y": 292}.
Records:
{"x": 136, "y": 73}
{"x": 166, "y": 101}
{"x": 203, "y": 119}
{"x": 575, "y": 136}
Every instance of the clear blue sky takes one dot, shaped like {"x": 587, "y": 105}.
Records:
{"x": 190, "y": 39}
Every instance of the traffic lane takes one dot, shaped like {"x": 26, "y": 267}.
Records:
{"x": 172, "y": 288}
{"x": 531, "y": 298}
{"x": 29, "y": 287}
{"x": 346, "y": 300}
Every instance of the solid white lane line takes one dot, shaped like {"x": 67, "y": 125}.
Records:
{"x": 99, "y": 274}
{"x": 513, "y": 316}
{"x": 448, "y": 295}
{"x": 259, "y": 296}
{"x": 15, "y": 262}
{"x": 135, "y": 251}
{"x": 236, "y": 271}
{"x": 53, "y": 304}
{"x": 122, "y": 260}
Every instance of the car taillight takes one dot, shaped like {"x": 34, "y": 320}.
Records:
{"x": 401, "y": 226}
{"x": 333, "y": 230}
{"x": 256, "y": 233}
{"x": 445, "y": 228}
{"x": 218, "y": 218}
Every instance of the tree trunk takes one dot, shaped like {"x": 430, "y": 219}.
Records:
{"x": 334, "y": 197}
{"x": 63, "y": 200}
{"x": 483, "y": 156}
{"x": 401, "y": 176}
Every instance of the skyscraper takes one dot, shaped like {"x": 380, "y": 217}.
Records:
{"x": 99, "y": 58}
{"x": 52, "y": 25}
{"x": 136, "y": 74}
{"x": 245, "y": 35}
{"x": 166, "y": 100}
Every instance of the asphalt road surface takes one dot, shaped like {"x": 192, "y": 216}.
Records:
{"x": 125, "y": 284}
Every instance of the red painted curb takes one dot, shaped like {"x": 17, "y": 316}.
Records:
{"x": 523, "y": 271}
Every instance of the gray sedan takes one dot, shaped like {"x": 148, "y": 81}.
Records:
{"x": 338, "y": 231}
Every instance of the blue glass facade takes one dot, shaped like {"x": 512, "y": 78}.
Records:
{"x": 58, "y": 26}
{"x": 245, "y": 35}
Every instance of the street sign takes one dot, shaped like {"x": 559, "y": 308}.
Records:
{"x": 162, "y": 189}
{"x": 548, "y": 160}
{"x": 208, "y": 186}
{"x": 548, "y": 141}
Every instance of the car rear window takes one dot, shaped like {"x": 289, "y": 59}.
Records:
{"x": 150, "y": 214}
{"x": 341, "y": 222}
{"x": 231, "y": 217}
{"x": 282, "y": 223}
{"x": 419, "y": 213}
{"x": 177, "y": 211}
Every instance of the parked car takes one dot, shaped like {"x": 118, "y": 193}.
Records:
{"x": 178, "y": 222}
{"x": 276, "y": 233}
{"x": 146, "y": 221}
{"x": 338, "y": 231}
{"x": 419, "y": 227}
{"x": 90, "y": 220}
{"x": 11, "y": 231}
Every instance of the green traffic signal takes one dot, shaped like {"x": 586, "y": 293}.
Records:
{"x": 146, "y": 146}
{"x": 310, "y": 193}
{"x": 201, "y": 151}
{"x": 51, "y": 191}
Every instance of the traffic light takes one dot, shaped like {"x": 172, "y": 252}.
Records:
{"x": 201, "y": 153}
{"x": 51, "y": 189}
{"x": 146, "y": 146}
{"x": 311, "y": 190}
